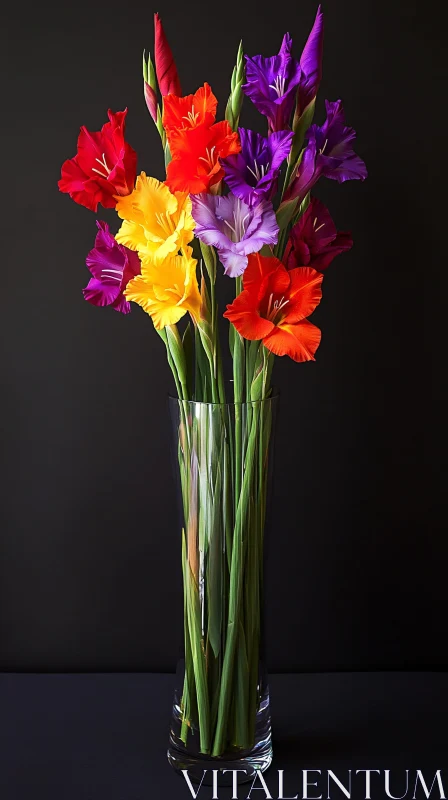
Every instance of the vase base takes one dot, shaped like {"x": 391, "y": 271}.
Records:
{"x": 201, "y": 771}
{"x": 200, "y": 766}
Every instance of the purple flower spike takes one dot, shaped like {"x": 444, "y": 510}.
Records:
{"x": 329, "y": 152}
{"x": 234, "y": 228}
{"x": 112, "y": 266}
{"x": 311, "y": 64}
{"x": 252, "y": 174}
{"x": 272, "y": 83}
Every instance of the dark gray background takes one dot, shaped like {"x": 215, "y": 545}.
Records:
{"x": 89, "y": 542}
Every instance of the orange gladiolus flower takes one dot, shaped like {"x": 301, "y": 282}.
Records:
{"x": 195, "y": 165}
{"x": 274, "y": 304}
{"x": 190, "y": 111}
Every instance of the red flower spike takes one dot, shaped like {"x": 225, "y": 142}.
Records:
{"x": 105, "y": 165}
{"x": 166, "y": 71}
{"x": 273, "y": 307}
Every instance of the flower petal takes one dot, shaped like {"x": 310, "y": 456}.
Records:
{"x": 234, "y": 263}
{"x": 101, "y": 292}
{"x": 305, "y": 293}
{"x": 299, "y": 341}
{"x": 244, "y": 315}
{"x": 190, "y": 111}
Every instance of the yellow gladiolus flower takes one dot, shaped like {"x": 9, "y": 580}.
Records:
{"x": 167, "y": 290}
{"x": 157, "y": 222}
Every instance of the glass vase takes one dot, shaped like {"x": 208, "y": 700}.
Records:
{"x": 221, "y": 714}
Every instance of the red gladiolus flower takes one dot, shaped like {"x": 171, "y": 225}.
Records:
{"x": 273, "y": 307}
{"x": 166, "y": 70}
{"x": 314, "y": 240}
{"x": 195, "y": 166}
{"x": 104, "y": 166}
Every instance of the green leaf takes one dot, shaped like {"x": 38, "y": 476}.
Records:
{"x": 236, "y": 589}
{"x": 231, "y": 338}
{"x": 152, "y": 80}
{"x": 238, "y": 367}
{"x": 209, "y": 256}
{"x": 251, "y": 359}
{"x": 206, "y": 310}
{"x": 215, "y": 565}
{"x": 167, "y": 152}
{"x": 235, "y": 101}
{"x": 177, "y": 353}
{"x": 285, "y": 213}
{"x": 187, "y": 343}
{"x": 198, "y": 658}
{"x": 241, "y": 692}
{"x": 300, "y": 127}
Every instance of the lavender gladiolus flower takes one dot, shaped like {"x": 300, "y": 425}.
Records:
{"x": 329, "y": 152}
{"x": 311, "y": 65}
{"x": 272, "y": 83}
{"x": 112, "y": 266}
{"x": 252, "y": 174}
{"x": 234, "y": 228}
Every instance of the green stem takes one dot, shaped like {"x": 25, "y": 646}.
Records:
{"x": 235, "y": 593}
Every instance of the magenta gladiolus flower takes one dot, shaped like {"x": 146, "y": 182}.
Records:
{"x": 112, "y": 266}
{"x": 329, "y": 152}
{"x": 252, "y": 174}
{"x": 234, "y": 228}
{"x": 272, "y": 85}
{"x": 314, "y": 240}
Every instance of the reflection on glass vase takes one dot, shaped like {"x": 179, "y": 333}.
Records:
{"x": 221, "y": 714}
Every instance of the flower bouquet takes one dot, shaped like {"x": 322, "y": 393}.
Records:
{"x": 236, "y": 200}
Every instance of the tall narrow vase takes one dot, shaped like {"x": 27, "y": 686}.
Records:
{"x": 221, "y": 715}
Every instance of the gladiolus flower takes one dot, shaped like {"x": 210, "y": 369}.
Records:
{"x": 234, "y": 228}
{"x": 329, "y": 152}
{"x": 311, "y": 65}
{"x": 151, "y": 100}
{"x": 271, "y": 84}
{"x": 273, "y": 307}
{"x": 252, "y": 174}
{"x": 314, "y": 240}
{"x": 150, "y": 86}
{"x": 104, "y": 166}
{"x": 167, "y": 290}
{"x": 112, "y": 266}
{"x": 156, "y": 222}
{"x": 196, "y": 152}
{"x": 190, "y": 111}
{"x": 166, "y": 70}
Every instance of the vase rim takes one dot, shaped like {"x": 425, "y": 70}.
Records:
{"x": 272, "y": 397}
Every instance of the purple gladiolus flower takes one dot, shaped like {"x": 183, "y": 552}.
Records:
{"x": 311, "y": 65}
{"x": 329, "y": 152}
{"x": 252, "y": 174}
{"x": 112, "y": 266}
{"x": 234, "y": 228}
{"x": 272, "y": 84}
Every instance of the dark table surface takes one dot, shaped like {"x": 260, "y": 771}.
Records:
{"x": 104, "y": 736}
